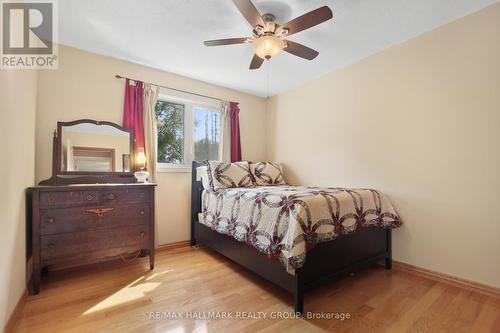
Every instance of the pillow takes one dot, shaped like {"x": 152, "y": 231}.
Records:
{"x": 267, "y": 173}
{"x": 202, "y": 174}
{"x": 227, "y": 175}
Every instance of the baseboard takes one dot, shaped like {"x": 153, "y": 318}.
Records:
{"x": 174, "y": 245}
{"x": 448, "y": 279}
{"x": 16, "y": 313}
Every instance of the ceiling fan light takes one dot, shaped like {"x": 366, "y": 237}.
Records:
{"x": 267, "y": 47}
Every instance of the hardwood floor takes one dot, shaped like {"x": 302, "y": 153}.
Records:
{"x": 119, "y": 298}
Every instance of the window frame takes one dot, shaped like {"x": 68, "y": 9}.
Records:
{"x": 190, "y": 104}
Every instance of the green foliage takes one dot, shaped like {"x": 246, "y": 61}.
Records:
{"x": 170, "y": 125}
{"x": 205, "y": 149}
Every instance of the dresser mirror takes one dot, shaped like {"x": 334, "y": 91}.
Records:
{"x": 90, "y": 147}
{"x": 90, "y": 151}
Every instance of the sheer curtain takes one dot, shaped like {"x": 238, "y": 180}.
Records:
{"x": 225, "y": 133}
{"x": 230, "y": 144}
{"x": 150, "y": 130}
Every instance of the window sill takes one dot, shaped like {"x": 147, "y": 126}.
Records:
{"x": 173, "y": 168}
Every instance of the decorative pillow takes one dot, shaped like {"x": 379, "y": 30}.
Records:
{"x": 202, "y": 175}
{"x": 227, "y": 175}
{"x": 267, "y": 173}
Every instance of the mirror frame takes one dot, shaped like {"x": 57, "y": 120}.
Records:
{"x": 60, "y": 177}
{"x": 57, "y": 158}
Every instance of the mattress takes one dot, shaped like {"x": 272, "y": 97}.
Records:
{"x": 285, "y": 222}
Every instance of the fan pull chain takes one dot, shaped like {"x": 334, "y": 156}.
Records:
{"x": 267, "y": 74}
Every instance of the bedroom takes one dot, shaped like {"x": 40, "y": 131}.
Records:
{"x": 403, "y": 98}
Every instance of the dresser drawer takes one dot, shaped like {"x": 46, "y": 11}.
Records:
{"x": 79, "y": 224}
{"x": 124, "y": 196}
{"x": 68, "y": 198}
{"x": 56, "y": 221}
{"x": 69, "y": 244}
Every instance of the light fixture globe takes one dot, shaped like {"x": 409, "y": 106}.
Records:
{"x": 267, "y": 47}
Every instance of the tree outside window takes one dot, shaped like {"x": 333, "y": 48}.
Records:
{"x": 186, "y": 131}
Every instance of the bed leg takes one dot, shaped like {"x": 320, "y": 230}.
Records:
{"x": 388, "y": 259}
{"x": 388, "y": 263}
{"x": 193, "y": 238}
{"x": 298, "y": 295}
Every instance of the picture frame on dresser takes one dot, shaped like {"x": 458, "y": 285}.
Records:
{"x": 77, "y": 217}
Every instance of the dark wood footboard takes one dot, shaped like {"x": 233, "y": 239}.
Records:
{"x": 327, "y": 261}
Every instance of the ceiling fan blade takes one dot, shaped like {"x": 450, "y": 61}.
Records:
{"x": 300, "y": 50}
{"x": 228, "y": 41}
{"x": 256, "y": 62}
{"x": 249, "y": 12}
{"x": 308, "y": 20}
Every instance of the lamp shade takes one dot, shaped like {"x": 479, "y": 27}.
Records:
{"x": 266, "y": 47}
{"x": 141, "y": 158}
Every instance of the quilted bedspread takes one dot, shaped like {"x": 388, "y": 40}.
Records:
{"x": 286, "y": 221}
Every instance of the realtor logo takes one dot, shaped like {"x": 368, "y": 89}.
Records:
{"x": 28, "y": 35}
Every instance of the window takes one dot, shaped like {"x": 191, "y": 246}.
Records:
{"x": 170, "y": 126}
{"x": 206, "y": 134}
{"x": 187, "y": 130}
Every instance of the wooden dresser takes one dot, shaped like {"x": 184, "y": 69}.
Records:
{"x": 80, "y": 224}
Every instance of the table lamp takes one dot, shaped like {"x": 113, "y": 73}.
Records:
{"x": 142, "y": 175}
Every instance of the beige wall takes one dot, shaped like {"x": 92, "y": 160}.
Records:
{"x": 421, "y": 122}
{"x": 17, "y": 168}
{"x": 84, "y": 86}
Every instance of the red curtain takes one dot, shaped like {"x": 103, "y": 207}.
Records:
{"x": 235, "y": 132}
{"x": 133, "y": 113}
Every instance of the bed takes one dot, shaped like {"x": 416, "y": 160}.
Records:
{"x": 294, "y": 237}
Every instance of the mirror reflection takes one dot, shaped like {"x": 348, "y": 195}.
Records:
{"x": 88, "y": 147}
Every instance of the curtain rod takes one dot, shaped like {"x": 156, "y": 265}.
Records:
{"x": 175, "y": 89}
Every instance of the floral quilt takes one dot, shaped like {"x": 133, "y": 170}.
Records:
{"x": 285, "y": 222}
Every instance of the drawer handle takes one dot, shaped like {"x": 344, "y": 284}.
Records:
{"x": 142, "y": 212}
{"x": 51, "y": 199}
{"x": 141, "y": 234}
{"x": 111, "y": 196}
{"x": 51, "y": 220}
{"x": 141, "y": 195}
{"x": 51, "y": 246}
{"x": 99, "y": 211}
{"x": 90, "y": 197}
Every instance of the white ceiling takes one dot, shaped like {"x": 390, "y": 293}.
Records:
{"x": 168, "y": 34}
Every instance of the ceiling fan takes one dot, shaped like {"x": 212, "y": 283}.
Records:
{"x": 269, "y": 37}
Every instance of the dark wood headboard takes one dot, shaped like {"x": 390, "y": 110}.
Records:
{"x": 196, "y": 191}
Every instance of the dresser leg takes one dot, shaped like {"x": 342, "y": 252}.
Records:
{"x": 44, "y": 271}
{"x": 151, "y": 259}
{"x": 34, "y": 286}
